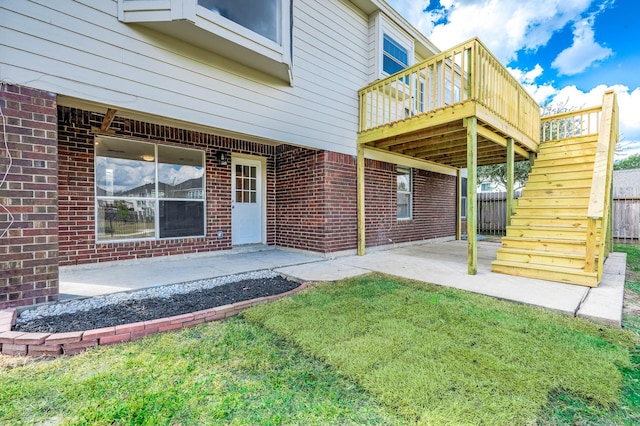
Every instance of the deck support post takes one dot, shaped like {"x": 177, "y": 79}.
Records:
{"x": 360, "y": 200}
{"x": 459, "y": 205}
{"x": 510, "y": 180}
{"x": 471, "y": 124}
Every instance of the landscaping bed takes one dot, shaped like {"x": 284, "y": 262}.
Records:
{"x": 133, "y": 310}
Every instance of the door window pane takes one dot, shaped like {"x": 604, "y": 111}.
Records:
{"x": 246, "y": 188}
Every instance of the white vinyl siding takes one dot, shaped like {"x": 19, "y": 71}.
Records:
{"x": 80, "y": 50}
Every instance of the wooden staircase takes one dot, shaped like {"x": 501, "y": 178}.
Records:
{"x": 548, "y": 231}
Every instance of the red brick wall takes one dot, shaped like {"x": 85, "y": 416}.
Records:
{"x": 76, "y": 188}
{"x": 316, "y": 202}
{"x": 29, "y": 245}
{"x": 300, "y": 198}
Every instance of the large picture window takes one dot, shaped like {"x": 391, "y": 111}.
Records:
{"x": 261, "y": 17}
{"x": 404, "y": 189}
{"x": 148, "y": 191}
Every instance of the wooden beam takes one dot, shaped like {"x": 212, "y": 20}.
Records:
{"x": 502, "y": 141}
{"x": 106, "y": 122}
{"x": 108, "y": 119}
{"x": 459, "y": 205}
{"x": 428, "y": 133}
{"x": 360, "y": 200}
{"x": 416, "y": 163}
{"x": 487, "y": 116}
{"x": 510, "y": 179}
{"x": 471, "y": 124}
{"x": 419, "y": 122}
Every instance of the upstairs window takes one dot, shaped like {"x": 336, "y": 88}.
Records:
{"x": 262, "y": 17}
{"x": 394, "y": 56}
{"x": 404, "y": 191}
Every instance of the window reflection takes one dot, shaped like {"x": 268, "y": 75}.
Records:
{"x": 260, "y": 16}
{"x": 131, "y": 204}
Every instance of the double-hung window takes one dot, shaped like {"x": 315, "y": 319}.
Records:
{"x": 148, "y": 191}
{"x": 395, "y": 57}
{"x": 404, "y": 192}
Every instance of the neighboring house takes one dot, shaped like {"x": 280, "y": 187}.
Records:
{"x": 114, "y": 104}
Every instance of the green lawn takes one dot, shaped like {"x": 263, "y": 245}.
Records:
{"x": 371, "y": 350}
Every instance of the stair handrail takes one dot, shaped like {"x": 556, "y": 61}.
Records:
{"x": 601, "y": 184}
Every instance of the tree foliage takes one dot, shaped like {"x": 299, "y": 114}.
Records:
{"x": 497, "y": 173}
{"x": 631, "y": 162}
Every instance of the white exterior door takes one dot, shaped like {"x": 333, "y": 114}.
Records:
{"x": 246, "y": 204}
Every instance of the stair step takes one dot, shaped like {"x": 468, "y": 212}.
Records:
{"x": 569, "y": 142}
{"x": 550, "y": 162}
{"x": 569, "y": 221}
{"x": 545, "y": 244}
{"x": 556, "y": 192}
{"x": 567, "y": 260}
{"x": 553, "y": 202}
{"x": 552, "y": 211}
{"x": 583, "y": 144}
{"x": 560, "y": 183}
{"x": 558, "y": 233}
{"x": 568, "y": 154}
{"x": 558, "y": 175}
{"x": 546, "y": 272}
{"x": 562, "y": 168}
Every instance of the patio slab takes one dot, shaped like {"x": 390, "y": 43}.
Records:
{"x": 113, "y": 277}
{"x": 446, "y": 264}
{"x": 441, "y": 263}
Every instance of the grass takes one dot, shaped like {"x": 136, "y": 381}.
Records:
{"x": 219, "y": 373}
{"x": 443, "y": 356}
{"x": 371, "y": 350}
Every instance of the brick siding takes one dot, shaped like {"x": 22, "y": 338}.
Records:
{"x": 316, "y": 202}
{"x": 76, "y": 188}
{"x": 29, "y": 245}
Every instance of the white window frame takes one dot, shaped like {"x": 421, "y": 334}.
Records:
{"x": 383, "y": 25}
{"x": 213, "y": 32}
{"x": 155, "y": 199}
{"x": 408, "y": 171}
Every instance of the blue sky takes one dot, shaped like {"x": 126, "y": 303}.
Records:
{"x": 565, "y": 52}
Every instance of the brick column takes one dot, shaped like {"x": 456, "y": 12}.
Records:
{"x": 28, "y": 197}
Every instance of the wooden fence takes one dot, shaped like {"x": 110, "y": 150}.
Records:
{"x": 626, "y": 214}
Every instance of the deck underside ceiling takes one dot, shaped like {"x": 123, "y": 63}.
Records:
{"x": 442, "y": 139}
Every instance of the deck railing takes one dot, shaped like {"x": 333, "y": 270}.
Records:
{"x": 601, "y": 187}
{"x": 467, "y": 72}
{"x": 570, "y": 124}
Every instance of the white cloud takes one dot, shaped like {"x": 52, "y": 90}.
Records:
{"x": 583, "y": 52}
{"x": 628, "y": 103}
{"x": 505, "y": 26}
{"x": 174, "y": 175}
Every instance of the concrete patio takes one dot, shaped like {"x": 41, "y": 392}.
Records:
{"x": 442, "y": 263}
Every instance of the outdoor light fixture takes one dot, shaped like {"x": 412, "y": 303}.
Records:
{"x": 222, "y": 158}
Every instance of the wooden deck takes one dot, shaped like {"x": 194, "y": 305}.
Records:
{"x": 421, "y": 111}
{"x": 463, "y": 109}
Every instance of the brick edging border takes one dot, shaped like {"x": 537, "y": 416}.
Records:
{"x": 71, "y": 343}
